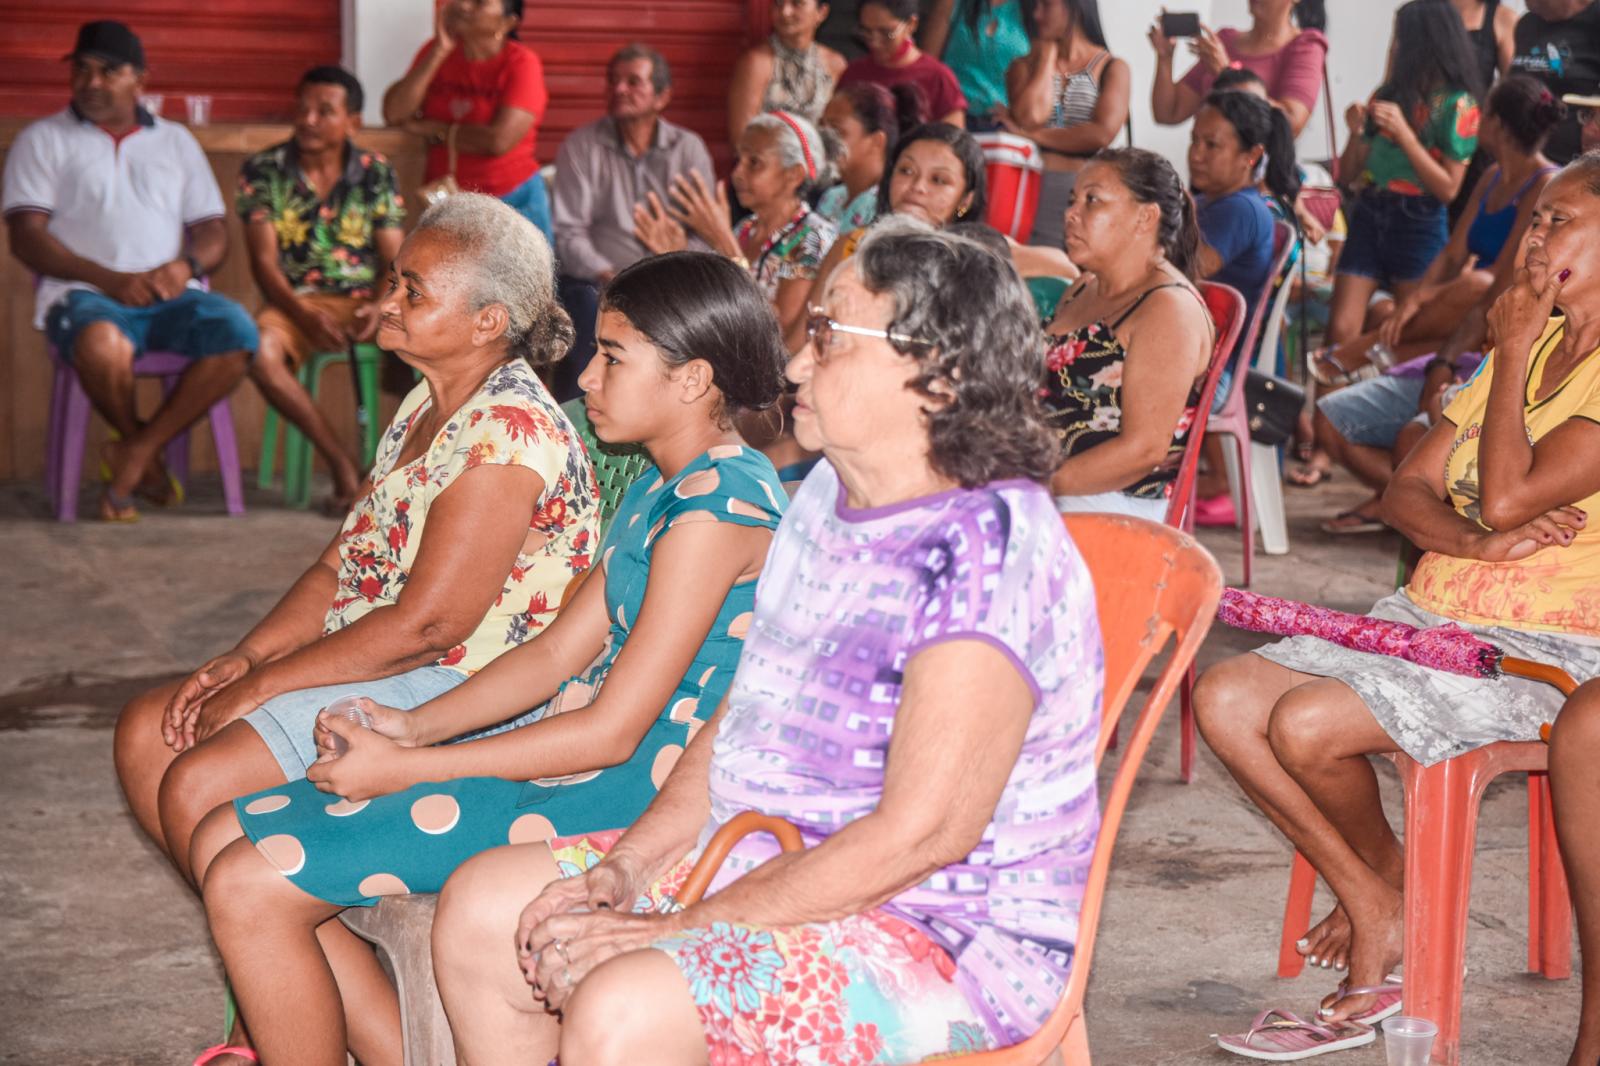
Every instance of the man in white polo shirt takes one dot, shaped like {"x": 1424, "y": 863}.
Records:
{"x": 118, "y": 214}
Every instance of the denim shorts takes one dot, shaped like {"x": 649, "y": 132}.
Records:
{"x": 195, "y": 324}
{"x": 1372, "y": 412}
{"x": 532, "y": 202}
{"x": 285, "y": 722}
{"x": 1393, "y": 238}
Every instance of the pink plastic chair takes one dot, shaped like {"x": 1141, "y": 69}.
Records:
{"x": 69, "y": 427}
{"x": 1234, "y": 418}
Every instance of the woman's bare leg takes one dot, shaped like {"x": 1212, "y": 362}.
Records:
{"x": 633, "y": 1008}
{"x": 1235, "y": 704}
{"x": 234, "y": 762}
{"x": 266, "y": 930}
{"x": 1574, "y": 747}
{"x": 142, "y": 757}
{"x": 1347, "y": 309}
{"x": 493, "y": 1015}
{"x": 371, "y": 1004}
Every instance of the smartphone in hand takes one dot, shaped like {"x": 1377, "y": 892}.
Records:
{"x": 1180, "y": 24}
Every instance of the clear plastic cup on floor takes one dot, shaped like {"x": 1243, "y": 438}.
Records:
{"x": 349, "y": 708}
{"x": 1407, "y": 1041}
{"x": 152, "y": 102}
{"x": 199, "y": 109}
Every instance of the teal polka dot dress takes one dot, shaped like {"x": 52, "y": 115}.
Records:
{"x": 353, "y": 854}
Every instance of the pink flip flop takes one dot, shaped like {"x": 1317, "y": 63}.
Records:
{"x": 216, "y": 1051}
{"x": 1290, "y": 1038}
{"x": 1389, "y": 996}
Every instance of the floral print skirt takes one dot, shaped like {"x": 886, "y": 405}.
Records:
{"x": 867, "y": 989}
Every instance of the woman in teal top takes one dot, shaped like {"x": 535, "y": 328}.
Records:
{"x": 635, "y": 663}
{"x": 979, "y": 39}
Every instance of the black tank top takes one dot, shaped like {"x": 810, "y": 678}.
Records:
{"x": 1485, "y": 47}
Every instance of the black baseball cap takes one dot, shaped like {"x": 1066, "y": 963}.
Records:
{"x": 111, "y": 41}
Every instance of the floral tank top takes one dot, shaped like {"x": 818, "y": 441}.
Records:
{"x": 1082, "y": 395}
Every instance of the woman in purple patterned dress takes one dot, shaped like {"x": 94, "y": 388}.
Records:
{"x": 919, "y": 692}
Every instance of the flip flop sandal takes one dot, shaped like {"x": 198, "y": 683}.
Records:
{"x": 1290, "y": 1038}
{"x": 1309, "y": 477}
{"x": 174, "y": 495}
{"x": 216, "y": 1051}
{"x": 1338, "y": 527}
{"x": 1327, "y": 372}
{"x": 114, "y": 507}
{"x": 1389, "y": 995}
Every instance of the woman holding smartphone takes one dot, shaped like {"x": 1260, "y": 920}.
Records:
{"x": 1285, "y": 45}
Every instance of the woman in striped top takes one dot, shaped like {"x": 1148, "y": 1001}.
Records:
{"x": 1069, "y": 95}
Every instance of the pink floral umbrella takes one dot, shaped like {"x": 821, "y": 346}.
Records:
{"x": 1449, "y": 648}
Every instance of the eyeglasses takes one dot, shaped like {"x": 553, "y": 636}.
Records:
{"x": 878, "y": 34}
{"x": 820, "y": 328}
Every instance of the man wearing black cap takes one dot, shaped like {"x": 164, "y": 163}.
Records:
{"x": 118, "y": 213}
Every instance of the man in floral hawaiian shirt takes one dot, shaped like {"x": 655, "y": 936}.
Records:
{"x": 322, "y": 221}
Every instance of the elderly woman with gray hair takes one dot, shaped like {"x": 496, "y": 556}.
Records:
{"x": 919, "y": 692}
{"x": 782, "y": 242}
{"x": 480, "y": 508}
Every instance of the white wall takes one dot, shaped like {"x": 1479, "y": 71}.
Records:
{"x": 380, "y": 37}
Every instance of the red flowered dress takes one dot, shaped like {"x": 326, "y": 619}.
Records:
{"x": 511, "y": 420}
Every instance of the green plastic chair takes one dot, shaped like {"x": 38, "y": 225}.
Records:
{"x": 1047, "y": 291}
{"x": 297, "y": 455}
{"x": 616, "y": 466}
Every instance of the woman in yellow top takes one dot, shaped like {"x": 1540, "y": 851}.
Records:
{"x": 1499, "y": 494}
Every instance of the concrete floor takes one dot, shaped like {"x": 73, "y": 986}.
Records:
{"x": 105, "y": 954}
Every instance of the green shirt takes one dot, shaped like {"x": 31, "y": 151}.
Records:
{"x": 1449, "y": 131}
{"x": 324, "y": 246}
{"x": 980, "y": 59}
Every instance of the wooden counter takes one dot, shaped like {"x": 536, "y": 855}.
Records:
{"x": 26, "y": 372}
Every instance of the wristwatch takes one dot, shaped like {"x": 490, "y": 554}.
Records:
{"x": 194, "y": 267}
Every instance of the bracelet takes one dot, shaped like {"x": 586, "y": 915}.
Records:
{"x": 194, "y": 267}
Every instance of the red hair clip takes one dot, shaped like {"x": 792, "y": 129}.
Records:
{"x": 805, "y": 148}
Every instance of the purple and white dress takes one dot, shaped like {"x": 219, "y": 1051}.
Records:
{"x": 977, "y": 955}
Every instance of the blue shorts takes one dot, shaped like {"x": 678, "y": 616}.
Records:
{"x": 195, "y": 324}
{"x": 1372, "y": 412}
{"x": 285, "y": 722}
{"x": 1393, "y": 238}
{"x": 532, "y": 202}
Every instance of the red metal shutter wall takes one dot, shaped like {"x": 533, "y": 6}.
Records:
{"x": 701, "y": 40}
{"x": 246, "y": 54}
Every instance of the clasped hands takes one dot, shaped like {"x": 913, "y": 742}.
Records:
{"x": 577, "y": 923}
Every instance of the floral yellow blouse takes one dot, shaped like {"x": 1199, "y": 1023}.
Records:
{"x": 511, "y": 420}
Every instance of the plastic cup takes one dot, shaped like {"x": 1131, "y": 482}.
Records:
{"x": 1407, "y": 1041}
{"x": 348, "y": 708}
{"x": 199, "y": 109}
{"x": 152, "y": 102}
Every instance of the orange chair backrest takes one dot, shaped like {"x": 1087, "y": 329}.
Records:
{"x": 1227, "y": 313}
{"x": 1152, "y": 582}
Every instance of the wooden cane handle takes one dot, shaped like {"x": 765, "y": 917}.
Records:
{"x": 1550, "y": 675}
{"x": 736, "y": 829}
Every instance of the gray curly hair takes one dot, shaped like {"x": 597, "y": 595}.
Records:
{"x": 795, "y": 138}
{"x": 505, "y": 260}
{"x": 977, "y": 343}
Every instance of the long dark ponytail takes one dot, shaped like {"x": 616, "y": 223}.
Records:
{"x": 1151, "y": 179}
{"x": 1258, "y": 123}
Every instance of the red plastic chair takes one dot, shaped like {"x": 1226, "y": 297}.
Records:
{"x": 1151, "y": 582}
{"x": 1234, "y": 418}
{"x": 1227, "y": 312}
{"x": 1441, "y": 828}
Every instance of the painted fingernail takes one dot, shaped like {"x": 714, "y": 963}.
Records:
{"x": 1564, "y": 275}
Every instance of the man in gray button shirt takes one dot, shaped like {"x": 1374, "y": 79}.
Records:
{"x": 602, "y": 171}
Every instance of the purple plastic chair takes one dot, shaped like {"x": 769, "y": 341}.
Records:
{"x": 69, "y": 426}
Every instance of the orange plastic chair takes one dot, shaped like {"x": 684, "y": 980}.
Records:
{"x": 1441, "y": 828}
{"x": 1151, "y": 582}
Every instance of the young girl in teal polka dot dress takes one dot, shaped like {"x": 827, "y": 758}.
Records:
{"x": 633, "y": 665}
